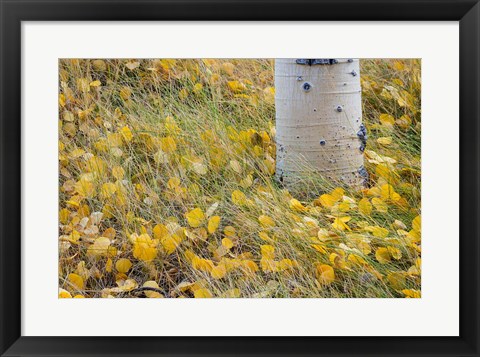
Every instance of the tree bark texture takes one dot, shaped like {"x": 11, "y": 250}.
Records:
{"x": 319, "y": 120}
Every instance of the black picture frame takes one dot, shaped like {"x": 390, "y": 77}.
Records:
{"x": 467, "y": 12}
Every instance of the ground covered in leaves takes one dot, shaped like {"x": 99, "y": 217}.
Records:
{"x": 166, "y": 187}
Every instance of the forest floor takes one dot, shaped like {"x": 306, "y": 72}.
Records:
{"x": 167, "y": 189}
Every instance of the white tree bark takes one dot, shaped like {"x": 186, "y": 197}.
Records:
{"x": 319, "y": 120}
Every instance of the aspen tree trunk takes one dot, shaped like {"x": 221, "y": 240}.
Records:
{"x": 319, "y": 120}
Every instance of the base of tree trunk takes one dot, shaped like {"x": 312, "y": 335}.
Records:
{"x": 319, "y": 121}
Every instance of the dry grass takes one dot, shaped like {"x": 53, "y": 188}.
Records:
{"x": 155, "y": 153}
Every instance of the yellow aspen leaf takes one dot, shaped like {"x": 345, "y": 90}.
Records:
{"x": 269, "y": 94}
{"x": 364, "y": 247}
{"x": 365, "y": 207}
{"x": 404, "y": 122}
{"x": 383, "y": 256}
{"x": 229, "y": 231}
{"x": 79, "y": 296}
{"x": 399, "y": 224}
{"x": 132, "y": 65}
{"x": 202, "y": 294}
{"x": 388, "y": 193}
{"x": 228, "y": 68}
{"x": 268, "y": 265}
{"x": 149, "y": 293}
{"x": 247, "y": 181}
{"x": 160, "y": 157}
{"x": 398, "y": 65}
{"x": 124, "y": 285}
{"x": 82, "y": 270}
{"x": 100, "y": 247}
{"x": 387, "y": 120}
{"x": 107, "y": 211}
{"x": 116, "y": 152}
{"x": 235, "y": 165}
{"x": 64, "y": 294}
{"x": 340, "y": 223}
{"x": 159, "y": 231}
{"x": 109, "y": 232}
{"x": 319, "y": 248}
{"x": 168, "y": 144}
{"x": 356, "y": 259}
{"x": 173, "y": 183}
{"x": 268, "y": 251}
{"x": 68, "y": 116}
{"x": 337, "y": 260}
{"x": 395, "y": 252}
{"x": 116, "y": 139}
{"x": 338, "y": 193}
{"x": 325, "y": 274}
{"x": 414, "y": 236}
{"x": 64, "y": 216}
{"x": 411, "y": 293}
{"x": 213, "y": 224}
{"x": 374, "y": 192}
{"x": 125, "y": 93}
{"x": 269, "y": 165}
{"x": 218, "y": 271}
{"x": 183, "y": 93}
{"x": 108, "y": 265}
{"x": 286, "y": 264}
{"x": 171, "y": 126}
{"x": 61, "y": 100}
{"x": 227, "y": 243}
{"x": 249, "y": 266}
{"x": 185, "y": 286}
{"x": 82, "y": 85}
{"x": 199, "y": 168}
{"x": 70, "y": 129}
{"x": 202, "y": 264}
{"x": 387, "y": 173}
{"x": 417, "y": 224}
{"x": 214, "y": 78}
{"x": 377, "y": 231}
{"x": 266, "y": 221}
{"x": 232, "y": 293}
{"x": 236, "y": 86}
{"x": 145, "y": 248}
{"x": 126, "y": 134}
{"x": 345, "y": 206}
{"x": 211, "y": 210}
{"x": 197, "y": 88}
{"x": 108, "y": 189}
{"x": 397, "y": 280}
{"x": 380, "y": 205}
{"x": 123, "y": 265}
{"x": 327, "y": 200}
{"x": 413, "y": 271}
{"x": 264, "y": 236}
{"x": 118, "y": 172}
{"x": 170, "y": 242}
{"x": 85, "y": 188}
{"x": 296, "y": 205}
{"x": 96, "y": 165}
{"x": 76, "y": 280}
{"x": 96, "y": 83}
{"x": 311, "y": 222}
{"x": 195, "y": 217}
{"x": 386, "y": 140}
{"x": 239, "y": 198}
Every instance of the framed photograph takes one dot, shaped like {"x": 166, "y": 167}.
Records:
{"x": 239, "y": 178}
